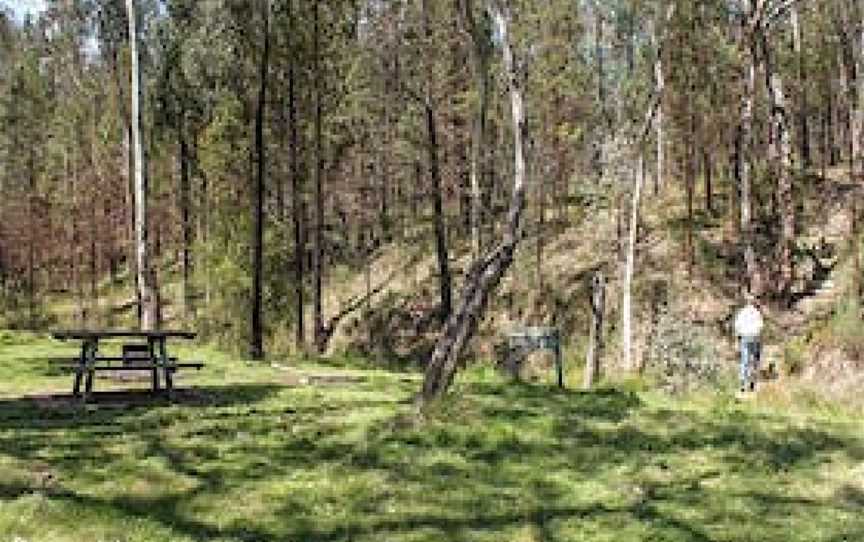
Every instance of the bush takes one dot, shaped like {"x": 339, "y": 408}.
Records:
{"x": 682, "y": 355}
{"x": 794, "y": 355}
{"x": 846, "y": 328}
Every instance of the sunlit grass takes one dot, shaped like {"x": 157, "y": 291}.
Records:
{"x": 258, "y": 453}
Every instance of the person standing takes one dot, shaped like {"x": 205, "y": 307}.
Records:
{"x": 748, "y": 327}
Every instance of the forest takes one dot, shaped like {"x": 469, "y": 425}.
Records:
{"x": 358, "y": 207}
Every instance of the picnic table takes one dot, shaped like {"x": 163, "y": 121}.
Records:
{"x": 150, "y": 353}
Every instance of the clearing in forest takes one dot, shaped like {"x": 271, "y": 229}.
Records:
{"x": 256, "y": 452}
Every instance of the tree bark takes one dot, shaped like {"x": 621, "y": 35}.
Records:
{"x": 480, "y": 67}
{"x": 783, "y": 157}
{"x": 297, "y": 207}
{"x": 185, "y": 218}
{"x": 485, "y": 272}
{"x": 257, "y": 347}
{"x": 145, "y": 277}
{"x": 444, "y": 280}
{"x": 745, "y": 135}
{"x": 660, "y": 81}
{"x": 595, "y": 340}
{"x": 318, "y": 249}
{"x": 803, "y": 123}
{"x": 626, "y": 309}
{"x": 629, "y": 265}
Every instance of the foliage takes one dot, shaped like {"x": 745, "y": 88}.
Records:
{"x": 847, "y": 328}
{"x": 682, "y": 355}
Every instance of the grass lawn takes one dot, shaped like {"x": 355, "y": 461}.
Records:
{"x": 255, "y": 453}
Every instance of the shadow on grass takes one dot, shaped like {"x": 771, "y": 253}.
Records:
{"x": 59, "y": 411}
{"x": 498, "y": 458}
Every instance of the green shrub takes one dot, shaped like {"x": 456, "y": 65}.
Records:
{"x": 682, "y": 355}
{"x": 847, "y": 330}
{"x": 794, "y": 356}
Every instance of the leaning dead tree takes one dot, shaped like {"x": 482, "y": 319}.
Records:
{"x": 486, "y": 271}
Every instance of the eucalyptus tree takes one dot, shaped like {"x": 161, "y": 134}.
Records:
{"x": 144, "y": 270}
{"x": 487, "y": 270}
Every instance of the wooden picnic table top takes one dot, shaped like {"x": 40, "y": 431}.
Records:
{"x": 115, "y": 333}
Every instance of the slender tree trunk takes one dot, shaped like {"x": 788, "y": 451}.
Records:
{"x": 803, "y": 125}
{"x": 661, "y": 83}
{"x": 595, "y": 341}
{"x": 145, "y": 284}
{"x": 318, "y": 250}
{"x": 257, "y": 347}
{"x": 783, "y": 157}
{"x": 444, "y": 279}
{"x": 626, "y": 309}
{"x": 630, "y": 261}
{"x": 486, "y": 272}
{"x": 480, "y": 68}
{"x": 297, "y": 207}
{"x": 31, "y": 245}
{"x": 601, "y": 92}
{"x": 186, "y": 223}
{"x": 745, "y": 143}
{"x": 858, "y": 115}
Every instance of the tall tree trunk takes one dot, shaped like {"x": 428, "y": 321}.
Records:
{"x": 601, "y": 92}
{"x": 630, "y": 261}
{"x": 297, "y": 207}
{"x": 595, "y": 334}
{"x": 783, "y": 166}
{"x": 318, "y": 250}
{"x": 858, "y": 115}
{"x": 128, "y": 183}
{"x": 660, "y": 81}
{"x": 480, "y": 68}
{"x": 745, "y": 143}
{"x": 626, "y": 305}
{"x": 257, "y": 347}
{"x": 803, "y": 124}
{"x": 31, "y": 244}
{"x": 486, "y": 272}
{"x": 145, "y": 277}
{"x": 444, "y": 280}
{"x": 186, "y": 223}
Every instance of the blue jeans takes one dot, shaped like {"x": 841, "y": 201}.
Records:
{"x": 749, "y": 360}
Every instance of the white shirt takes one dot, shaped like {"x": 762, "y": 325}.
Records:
{"x": 748, "y": 322}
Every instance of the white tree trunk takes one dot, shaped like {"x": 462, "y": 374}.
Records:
{"x": 660, "y": 81}
{"x": 626, "y": 309}
{"x": 145, "y": 277}
{"x": 654, "y": 109}
{"x": 745, "y": 143}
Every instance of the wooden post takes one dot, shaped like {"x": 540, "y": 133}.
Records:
{"x": 595, "y": 344}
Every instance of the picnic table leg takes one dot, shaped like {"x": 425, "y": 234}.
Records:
{"x": 163, "y": 360}
{"x": 155, "y": 374}
{"x": 92, "y": 347}
{"x": 79, "y": 371}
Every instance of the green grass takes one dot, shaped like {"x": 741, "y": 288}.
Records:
{"x": 251, "y": 455}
